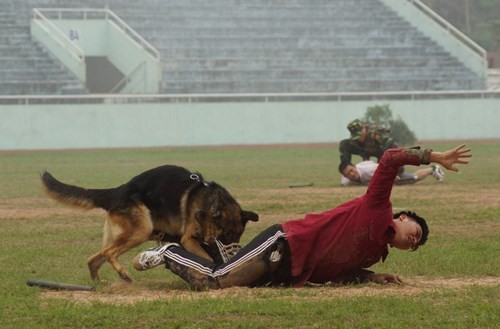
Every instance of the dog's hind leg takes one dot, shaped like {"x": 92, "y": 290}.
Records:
{"x": 123, "y": 231}
{"x": 98, "y": 259}
{"x": 94, "y": 263}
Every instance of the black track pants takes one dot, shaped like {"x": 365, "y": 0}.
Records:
{"x": 263, "y": 261}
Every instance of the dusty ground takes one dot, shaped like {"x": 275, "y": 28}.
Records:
{"x": 124, "y": 293}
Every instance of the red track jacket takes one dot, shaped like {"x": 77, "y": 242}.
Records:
{"x": 337, "y": 244}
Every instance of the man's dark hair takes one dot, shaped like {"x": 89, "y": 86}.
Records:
{"x": 342, "y": 166}
{"x": 420, "y": 221}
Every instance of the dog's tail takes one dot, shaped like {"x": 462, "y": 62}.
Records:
{"x": 77, "y": 196}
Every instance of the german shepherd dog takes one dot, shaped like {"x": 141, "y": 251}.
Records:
{"x": 167, "y": 201}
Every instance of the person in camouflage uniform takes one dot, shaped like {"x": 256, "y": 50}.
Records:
{"x": 366, "y": 140}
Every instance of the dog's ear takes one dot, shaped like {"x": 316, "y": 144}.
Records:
{"x": 216, "y": 208}
{"x": 199, "y": 215}
{"x": 249, "y": 216}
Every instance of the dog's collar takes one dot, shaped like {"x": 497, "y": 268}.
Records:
{"x": 198, "y": 179}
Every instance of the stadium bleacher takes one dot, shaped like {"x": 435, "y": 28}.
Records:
{"x": 259, "y": 46}
{"x": 25, "y": 67}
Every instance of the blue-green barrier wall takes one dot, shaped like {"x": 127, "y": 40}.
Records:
{"x": 232, "y": 123}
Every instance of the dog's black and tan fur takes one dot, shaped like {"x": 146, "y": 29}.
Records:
{"x": 167, "y": 200}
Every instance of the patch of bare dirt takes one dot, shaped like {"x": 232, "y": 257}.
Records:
{"x": 130, "y": 294}
{"x": 38, "y": 208}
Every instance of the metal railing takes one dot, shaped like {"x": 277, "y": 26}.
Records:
{"x": 105, "y": 13}
{"x": 127, "y": 78}
{"x": 58, "y": 36}
{"x": 450, "y": 28}
{"x": 271, "y": 97}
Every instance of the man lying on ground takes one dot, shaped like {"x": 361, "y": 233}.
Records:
{"x": 338, "y": 245}
{"x": 362, "y": 173}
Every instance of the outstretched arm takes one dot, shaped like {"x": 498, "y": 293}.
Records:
{"x": 449, "y": 159}
{"x": 380, "y": 187}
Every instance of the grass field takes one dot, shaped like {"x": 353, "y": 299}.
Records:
{"x": 451, "y": 282}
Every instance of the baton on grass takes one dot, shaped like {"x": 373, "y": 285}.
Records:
{"x": 58, "y": 285}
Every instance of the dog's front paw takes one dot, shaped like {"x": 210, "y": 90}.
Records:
{"x": 125, "y": 277}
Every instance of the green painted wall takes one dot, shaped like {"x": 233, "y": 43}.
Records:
{"x": 236, "y": 123}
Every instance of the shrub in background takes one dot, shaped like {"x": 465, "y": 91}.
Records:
{"x": 381, "y": 115}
